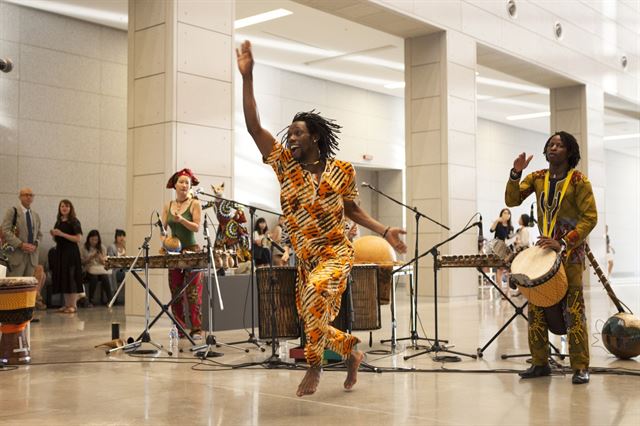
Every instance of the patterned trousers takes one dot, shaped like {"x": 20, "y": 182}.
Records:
{"x": 193, "y": 293}
{"x": 574, "y": 318}
{"x": 318, "y": 296}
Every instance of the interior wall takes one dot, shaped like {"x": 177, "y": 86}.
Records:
{"x": 623, "y": 211}
{"x": 372, "y": 124}
{"x": 63, "y": 117}
{"x": 497, "y": 146}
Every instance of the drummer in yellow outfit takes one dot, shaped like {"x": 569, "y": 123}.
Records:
{"x": 567, "y": 212}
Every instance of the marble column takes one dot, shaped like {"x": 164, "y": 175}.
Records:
{"x": 180, "y": 112}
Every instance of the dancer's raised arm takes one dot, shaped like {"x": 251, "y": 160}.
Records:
{"x": 264, "y": 139}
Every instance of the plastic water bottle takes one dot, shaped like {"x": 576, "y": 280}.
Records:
{"x": 173, "y": 340}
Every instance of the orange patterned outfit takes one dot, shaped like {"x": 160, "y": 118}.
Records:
{"x": 315, "y": 221}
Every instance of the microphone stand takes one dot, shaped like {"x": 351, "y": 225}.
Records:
{"x": 251, "y": 339}
{"x": 436, "y": 346}
{"x": 414, "y": 337}
{"x": 145, "y": 337}
{"x": 210, "y": 340}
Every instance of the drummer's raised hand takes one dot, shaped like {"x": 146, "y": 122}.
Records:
{"x": 546, "y": 242}
{"x": 393, "y": 237}
{"x": 521, "y": 162}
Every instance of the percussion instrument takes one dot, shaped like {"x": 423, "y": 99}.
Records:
{"x": 471, "y": 261}
{"x": 284, "y": 297}
{"x": 172, "y": 245}
{"x": 499, "y": 248}
{"x": 373, "y": 249}
{"x": 540, "y": 276}
{"x": 621, "y": 332}
{"x": 376, "y": 250}
{"x": 17, "y": 301}
{"x": 168, "y": 261}
{"x": 364, "y": 294}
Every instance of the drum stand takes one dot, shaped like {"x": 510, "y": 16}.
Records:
{"x": 210, "y": 341}
{"x": 145, "y": 337}
{"x": 437, "y": 347}
{"x": 519, "y": 311}
{"x": 251, "y": 339}
{"x": 414, "y": 337}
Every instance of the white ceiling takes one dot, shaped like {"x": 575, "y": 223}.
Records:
{"x": 320, "y": 44}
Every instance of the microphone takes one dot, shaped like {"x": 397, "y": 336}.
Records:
{"x": 480, "y": 233}
{"x": 367, "y": 185}
{"x": 532, "y": 221}
{"x": 197, "y": 190}
{"x": 276, "y": 245}
{"x": 206, "y": 229}
{"x": 160, "y": 225}
{"x": 6, "y": 65}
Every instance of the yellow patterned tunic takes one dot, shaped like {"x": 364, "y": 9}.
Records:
{"x": 314, "y": 215}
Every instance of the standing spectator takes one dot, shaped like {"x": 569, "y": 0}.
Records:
{"x": 118, "y": 249}
{"x": 94, "y": 255}
{"x": 261, "y": 253}
{"x": 21, "y": 230}
{"x": 610, "y": 251}
{"x": 66, "y": 262}
{"x": 523, "y": 240}
{"x": 503, "y": 230}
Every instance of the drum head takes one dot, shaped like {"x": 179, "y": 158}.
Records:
{"x": 534, "y": 262}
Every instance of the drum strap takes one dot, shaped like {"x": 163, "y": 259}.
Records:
{"x": 549, "y": 225}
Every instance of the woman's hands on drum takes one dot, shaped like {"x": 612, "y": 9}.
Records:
{"x": 546, "y": 242}
{"x": 521, "y": 162}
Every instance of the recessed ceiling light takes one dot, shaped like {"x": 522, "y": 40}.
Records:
{"x": 79, "y": 12}
{"x": 327, "y": 74}
{"x": 622, "y": 137}
{"x": 398, "y": 85}
{"x": 528, "y": 116}
{"x": 261, "y": 17}
{"x": 290, "y": 46}
{"x": 512, "y": 85}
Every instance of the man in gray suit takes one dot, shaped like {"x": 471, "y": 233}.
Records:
{"x": 21, "y": 230}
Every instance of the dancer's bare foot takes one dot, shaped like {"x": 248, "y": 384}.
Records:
{"x": 352, "y": 363}
{"x": 310, "y": 382}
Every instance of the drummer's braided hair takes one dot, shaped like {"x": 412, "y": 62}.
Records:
{"x": 570, "y": 143}
{"x": 325, "y": 128}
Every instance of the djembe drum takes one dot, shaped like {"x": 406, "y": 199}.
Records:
{"x": 376, "y": 250}
{"x": 17, "y": 300}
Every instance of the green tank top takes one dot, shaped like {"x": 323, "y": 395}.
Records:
{"x": 187, "y": 238}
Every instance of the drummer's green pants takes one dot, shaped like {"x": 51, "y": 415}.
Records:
{"x": 574, "y": 317}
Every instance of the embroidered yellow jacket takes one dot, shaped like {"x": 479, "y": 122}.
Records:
{"x": 577, "y": 214}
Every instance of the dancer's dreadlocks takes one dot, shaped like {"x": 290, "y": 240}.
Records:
{"x": 325, "y": 128}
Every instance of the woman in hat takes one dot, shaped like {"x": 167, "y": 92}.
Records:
{"x": 182, "y": 216}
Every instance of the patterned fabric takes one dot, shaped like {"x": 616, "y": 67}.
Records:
{"x": 577, "y": 216}
{"x": 177, "y": 278}
{"x": 314, "y": 215}
{"x": 574, "y": 318}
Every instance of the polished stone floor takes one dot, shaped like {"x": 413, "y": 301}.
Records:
{"x": 72, "y": 383}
